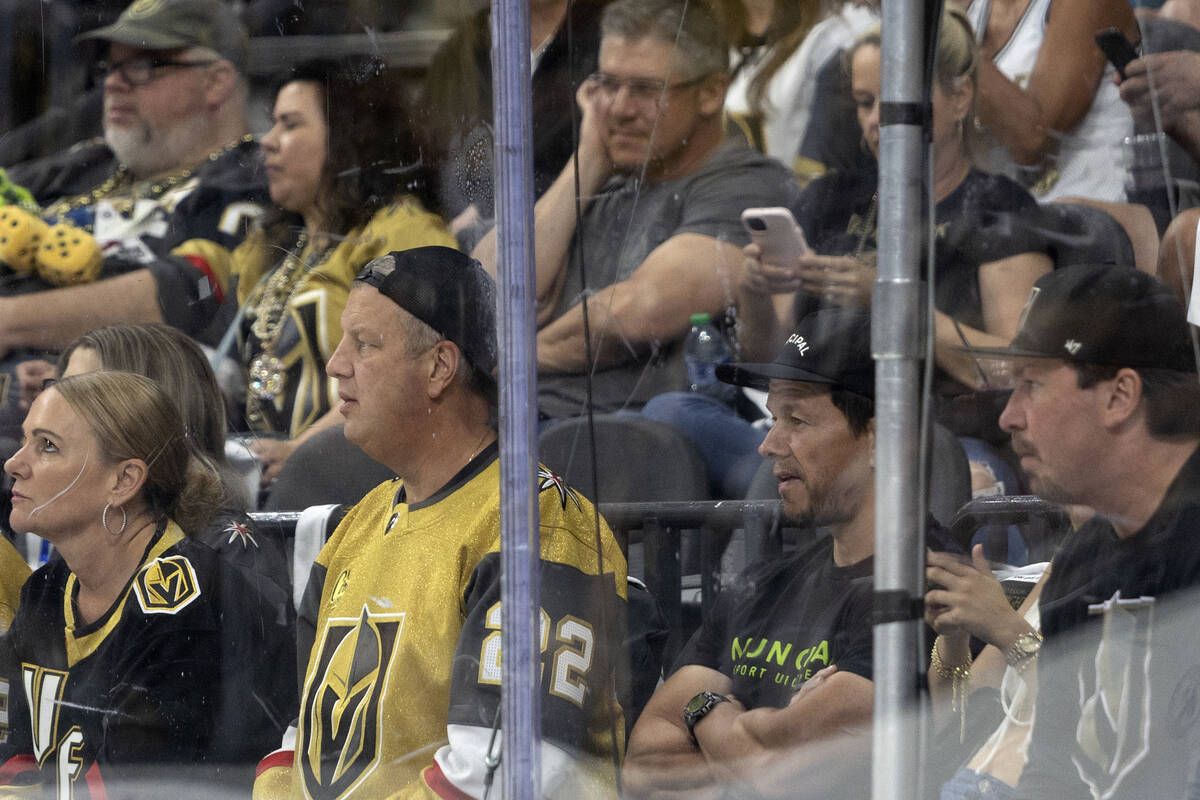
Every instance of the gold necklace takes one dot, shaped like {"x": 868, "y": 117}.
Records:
{"x": 121, "y": 177}
{"x": 266, "y": 371}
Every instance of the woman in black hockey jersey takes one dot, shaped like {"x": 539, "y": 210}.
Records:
{"x": 141, "y": 657}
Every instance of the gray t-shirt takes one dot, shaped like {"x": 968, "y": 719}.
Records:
{"x": 622, "y": 226}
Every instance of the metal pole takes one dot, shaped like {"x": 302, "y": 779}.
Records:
{"x": 520, "y": 768}
{"x": 896, "y": 344}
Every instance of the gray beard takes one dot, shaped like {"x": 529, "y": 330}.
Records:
{"x": 146, "y": 154}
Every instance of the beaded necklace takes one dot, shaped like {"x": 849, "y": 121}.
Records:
{"x": 145, "y": 190}
{"x": 266, "y": 371}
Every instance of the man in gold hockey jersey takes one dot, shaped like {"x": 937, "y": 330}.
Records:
{"x": 400, "y": 624}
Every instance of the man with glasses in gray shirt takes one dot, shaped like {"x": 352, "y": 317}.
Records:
{"x": 661, "y": 193}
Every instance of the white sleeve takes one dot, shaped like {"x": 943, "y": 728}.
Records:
{"x": 462, "y": 764}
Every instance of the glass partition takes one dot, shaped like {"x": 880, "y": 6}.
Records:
{"x": 294, "y": 503}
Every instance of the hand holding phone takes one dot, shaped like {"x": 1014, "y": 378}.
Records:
{"x": 776, "y": 233}
{"x": 1117, "y": 47}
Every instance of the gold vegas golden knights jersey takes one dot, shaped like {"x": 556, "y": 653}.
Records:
{"x": 403, "y": 678}
{"x": 13, "y": 572}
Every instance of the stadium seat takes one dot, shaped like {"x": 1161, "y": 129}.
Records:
{"x": 638, "y": 460}
{"x": 325, "y": 469}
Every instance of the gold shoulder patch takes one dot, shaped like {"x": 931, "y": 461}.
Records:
{"x": 166, "y": 585}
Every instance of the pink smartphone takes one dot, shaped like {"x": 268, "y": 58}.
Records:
{"x": 776, "y": 232}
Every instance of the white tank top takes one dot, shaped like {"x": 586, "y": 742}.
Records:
{"x": 1089, "y": 161}
{"x": 792, "y": 89}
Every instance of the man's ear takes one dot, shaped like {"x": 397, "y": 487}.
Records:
{"x": 128, "y": 479}
{"x": 870, "y": 434}
{"x": 712, "y": 94}
{"x": 222, "y": 82}
{"x": 445, "y": 360}
{"x": 1122, "y": 398}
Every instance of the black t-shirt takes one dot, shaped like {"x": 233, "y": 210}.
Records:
{"x": 780, "y": 623}
{"x": 1119, "y": 675}
{"x": 834, "y": 139}
{"x": 986, "y": 218}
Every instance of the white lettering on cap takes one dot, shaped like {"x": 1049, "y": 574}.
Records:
{"x": 798, "y": 340}
{"x": 1072, "y": 346}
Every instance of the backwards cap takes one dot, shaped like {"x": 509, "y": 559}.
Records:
{"x": 445, "y": 289}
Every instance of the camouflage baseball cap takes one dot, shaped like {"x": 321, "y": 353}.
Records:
{"x": 171, "y": 24}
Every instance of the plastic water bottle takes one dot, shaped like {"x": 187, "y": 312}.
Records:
{"x": 704, "y": 349}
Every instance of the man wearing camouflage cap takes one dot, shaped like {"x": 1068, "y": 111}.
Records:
{"x": 151, "y": 209}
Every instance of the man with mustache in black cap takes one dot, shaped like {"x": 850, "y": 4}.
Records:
{"x": 779, "y": 677}
{"x": 1105, "y": 413}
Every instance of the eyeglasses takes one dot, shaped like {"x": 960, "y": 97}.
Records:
{"x": 641, "y": 90}
{"x": 140, "y": 71}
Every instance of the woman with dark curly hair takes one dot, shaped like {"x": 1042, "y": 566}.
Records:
{"x": 345, "y": 170}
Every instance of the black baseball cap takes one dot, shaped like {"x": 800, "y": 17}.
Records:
{"x": 831, "y": 346}
{"x": 1112, "y": 315}
{"x": 171, "y": 24}
{"x": 445, "y": 289}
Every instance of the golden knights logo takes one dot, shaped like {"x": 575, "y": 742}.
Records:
{"x": 1114, "y": 712}
{"x": 548, "y": 480}
{"x": 44, "y": 690}
{"x": 144, "y": 8}
{"x": 342, "y": 713}
{"x": 166, "y": 585}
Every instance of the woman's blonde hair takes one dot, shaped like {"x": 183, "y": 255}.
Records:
{"x": 173, "y": 361}
{"x": 132, "y": 418}
{"x": 957, "y": 58}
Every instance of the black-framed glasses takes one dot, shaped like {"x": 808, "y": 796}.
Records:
{"x": 641, "y": 90}
{"x": 140, "y": 71}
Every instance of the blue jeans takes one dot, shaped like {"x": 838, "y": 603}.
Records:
{"x": 727, "y": 444}
{"x": 967, "y": 784}
{"x": 980, "y": 452}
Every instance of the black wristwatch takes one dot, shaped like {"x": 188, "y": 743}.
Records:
{"x": 698, "y": 708}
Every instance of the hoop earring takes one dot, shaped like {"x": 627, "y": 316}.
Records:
{"x": 104, "y": 519}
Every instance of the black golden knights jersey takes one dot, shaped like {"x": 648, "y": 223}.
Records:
{"x": 179, "y": 688}
{"x": 183, "y": 235}
{"x": 403, "y": 678}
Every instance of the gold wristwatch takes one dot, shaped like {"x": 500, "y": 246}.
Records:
{"x": 1023, "y": 649}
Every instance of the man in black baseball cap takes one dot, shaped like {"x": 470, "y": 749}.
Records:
{"x": 1105, "y": 412}
{"x": 1104, "y": 374}
{"x": 400, "y": 625}
{"x": 802, "y": 622}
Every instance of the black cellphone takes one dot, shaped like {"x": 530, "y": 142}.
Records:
{"x": 1118, "y": 48}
